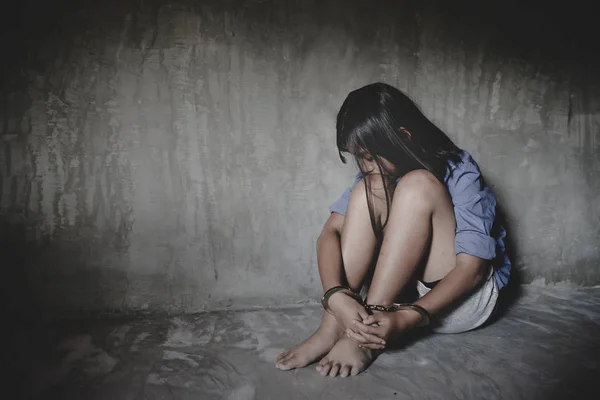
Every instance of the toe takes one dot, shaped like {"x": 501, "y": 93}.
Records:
{"x": 280, "y": 358}
{"x": 334, "y": 370}
{"x": 345, "y": 371}
{"x": 354, "y": 371}
{"x": 286, "y": 363}
{"x": 322, "y": 363}
{"x": 282, "y": 355}
{"x": 325, "y": 368}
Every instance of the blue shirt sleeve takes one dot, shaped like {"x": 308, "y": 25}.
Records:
{"x": 474, "y": 210}
{"x": 341, "y": 205}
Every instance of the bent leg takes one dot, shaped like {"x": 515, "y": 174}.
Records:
{"x": 358, "y": 245}
{"x": 420, "y": 231}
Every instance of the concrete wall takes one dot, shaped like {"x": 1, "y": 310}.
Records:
{"x": 173, "y": 155}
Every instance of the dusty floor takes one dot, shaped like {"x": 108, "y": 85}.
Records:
{"x": 547, "y": 346}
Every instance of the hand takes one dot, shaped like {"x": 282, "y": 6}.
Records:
{"x": 375, "y": 331}
{"x": 346, "y": 309}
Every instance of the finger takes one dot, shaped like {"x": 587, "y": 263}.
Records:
{"x": 365, "y": 338}
{"x": 373, "y": 346}
{"x": 345, "y": 371}
{"x": 373, "y": 335}
{"x": 363, "y": 313}
{"x": 363, "y": 328}
{"x": 370, "y": 338}
{"x": 356, "y": 337}
{"x": 370, "y": 320}
{"x": 334, "y": 370}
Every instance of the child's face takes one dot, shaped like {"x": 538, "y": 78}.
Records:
{"x": 370, "y": 165}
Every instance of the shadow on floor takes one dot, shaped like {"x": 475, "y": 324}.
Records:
{"x": 546, "y": 346}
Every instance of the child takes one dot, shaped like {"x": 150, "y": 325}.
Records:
{"x": 418, "y": 213}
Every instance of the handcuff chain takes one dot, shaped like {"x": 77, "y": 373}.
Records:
{"x": 425, "y": 317}
{"x": 376, "y": 307}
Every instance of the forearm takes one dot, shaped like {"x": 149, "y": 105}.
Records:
{"x": 329, "y": 259}
{"x": 462, "y": 280}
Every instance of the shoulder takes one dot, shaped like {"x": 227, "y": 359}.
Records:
{"x": 419, "y": 176}
{"x": 420, "y": 182}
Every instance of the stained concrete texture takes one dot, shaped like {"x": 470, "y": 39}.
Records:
{"x": 547, "y": 346}
{"x": 180, "y": 155}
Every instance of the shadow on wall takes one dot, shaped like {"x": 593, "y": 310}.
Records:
{"x": 15, "y": 298}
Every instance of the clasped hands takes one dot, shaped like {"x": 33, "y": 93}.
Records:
{"x": 370, "y": 331}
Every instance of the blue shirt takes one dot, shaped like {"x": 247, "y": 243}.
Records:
{"x": 477, "y": 232}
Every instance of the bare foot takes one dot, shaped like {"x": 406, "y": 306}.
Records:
{"x": 313, "y": 348}
{"x": 346, "y": 358}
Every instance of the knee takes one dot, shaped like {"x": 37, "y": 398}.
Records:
{"x": 358, "y": 195}
{"x": 419, "y": 188}
{"x": 358, "y": 199}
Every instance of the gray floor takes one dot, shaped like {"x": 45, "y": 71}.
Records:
{"x": 546, "y": 346}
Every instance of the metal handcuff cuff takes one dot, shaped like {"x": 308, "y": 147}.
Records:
{"x": 425, "y": 316}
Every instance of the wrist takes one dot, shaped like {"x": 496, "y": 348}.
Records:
{"x": 336, "y": 292}
{"x": 330, "y": 284}
{"x": 334, "y": 298}
{"x": 410, "y": 318}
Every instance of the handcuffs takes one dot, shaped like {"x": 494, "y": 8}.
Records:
{"x": 425, "y": 316}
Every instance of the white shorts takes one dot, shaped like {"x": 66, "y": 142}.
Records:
{"x": 471, "y": 313}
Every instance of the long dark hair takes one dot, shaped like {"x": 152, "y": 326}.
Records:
{"x": 381, "y": 121}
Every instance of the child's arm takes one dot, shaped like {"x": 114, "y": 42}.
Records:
{"x": 329, "y": 252}
{"x": 462, "y": 280}
{"x": 465, "y": 277}
{"x": 331, "y": 269}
